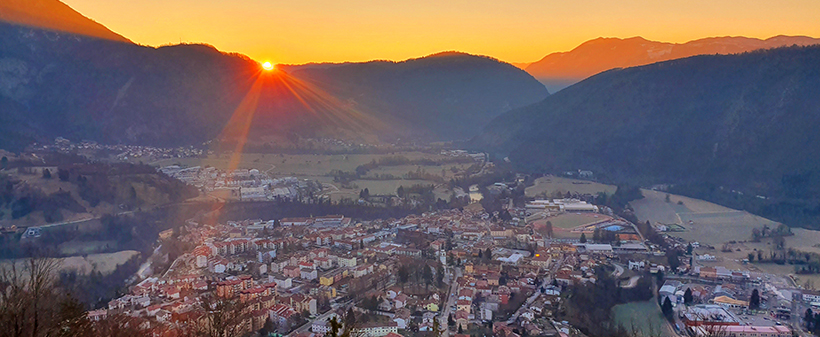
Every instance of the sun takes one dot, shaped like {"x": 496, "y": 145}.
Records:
{"x": 267, "y": 66}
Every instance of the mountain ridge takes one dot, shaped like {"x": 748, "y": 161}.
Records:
{"x": 743, "y": 121}
{"x": 54, "y": 15}
{"x": 561, "y": 69}
{"x": 78, "y": 87}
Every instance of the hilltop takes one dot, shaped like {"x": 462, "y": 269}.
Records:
{"x": 450, "y": 95}
{"x": 48, "y": 188}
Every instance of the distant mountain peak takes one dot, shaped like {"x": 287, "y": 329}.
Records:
{"x": 745, "y": 121}
{"x": 560, "y": 69}
{"x": 54, "y": 15}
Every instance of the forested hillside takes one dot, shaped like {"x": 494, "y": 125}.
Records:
{"x": 707, "y": 124}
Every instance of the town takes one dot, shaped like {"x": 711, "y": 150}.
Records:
{"x": 409, "y": 168}
{"x": 463, "y": 272}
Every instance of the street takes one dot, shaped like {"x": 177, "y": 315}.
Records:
{"x": 547, "y": 279}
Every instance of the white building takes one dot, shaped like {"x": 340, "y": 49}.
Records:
{"x": 322, "y": 327}
{"x": 347, "y": 261}
{"x": 308, "y": 273}
{"x": 377, "y": 329}
{"x": 282, "y": 282}
{"x": 811, "y": 296}
{"x": 201, "y": 261}
{"x": 252, "y": 193}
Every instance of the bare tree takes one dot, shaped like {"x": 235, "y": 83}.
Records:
{"x": 27, "y": 306}
{"x": 343, "y": 329}
{"x": 33, "y": 305}
{"x": 119, "y": 326}
{"x": 223, "y": 317}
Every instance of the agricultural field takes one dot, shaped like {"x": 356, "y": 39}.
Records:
{"x": 549, "y": 185}
{"x": 310, "y": 165}
{"x": 642, "y": 319}
{"x": 702, "y": 221}
{"x": 721, "y": 227}
{"x": 76, "y": 247}
{"x": 805, "y": 239}
{"x": 376, "y": 187}
{"x": 105, "y": 263}
{"x": 318, "y": 167}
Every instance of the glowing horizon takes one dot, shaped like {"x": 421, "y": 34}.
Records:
{"x": 363, "y": 30}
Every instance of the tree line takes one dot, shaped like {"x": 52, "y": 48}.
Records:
{"x": 589, "y": 305}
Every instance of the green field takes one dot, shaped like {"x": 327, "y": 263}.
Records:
{"x": 376, "y": 187}
{"x": 105, "y": 263}
{"x": 312, "y": 165}
{"x": 713, "y": 225}
{"x": 705, "y": 222}
{"x": 551, "y": 184}
{"x": 85, "y": 247}
{"x": 318, "y": 167}
{"x": 642, "y": 319}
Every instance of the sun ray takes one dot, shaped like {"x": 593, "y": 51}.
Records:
{"x": 327, "y": 108}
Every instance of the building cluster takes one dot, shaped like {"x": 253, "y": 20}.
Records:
{"x": 283, "y": 272}
{"x": 560, "y": 205}
{"x": 717, "y": 300}
{"x": 460, "y": 269}
{"x": 297, "y": 272}
{"x": 122, "y": 152}
{"x": 477, "y": 157}
{"x": 243, "y": 184}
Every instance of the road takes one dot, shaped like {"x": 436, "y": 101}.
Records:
{"x": 66, "y": 222}
{"x": 452, "y": 296}
{"x": 619, "y": 270}
{"x": 145, "y": 269}
{"x": 537, "y": 292}
{"x": 633, "y": 281}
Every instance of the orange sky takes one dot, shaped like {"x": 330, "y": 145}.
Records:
{"x": 304, "y": 31}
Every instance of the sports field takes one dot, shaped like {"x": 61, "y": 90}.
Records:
{"x": 563, "y": 223}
